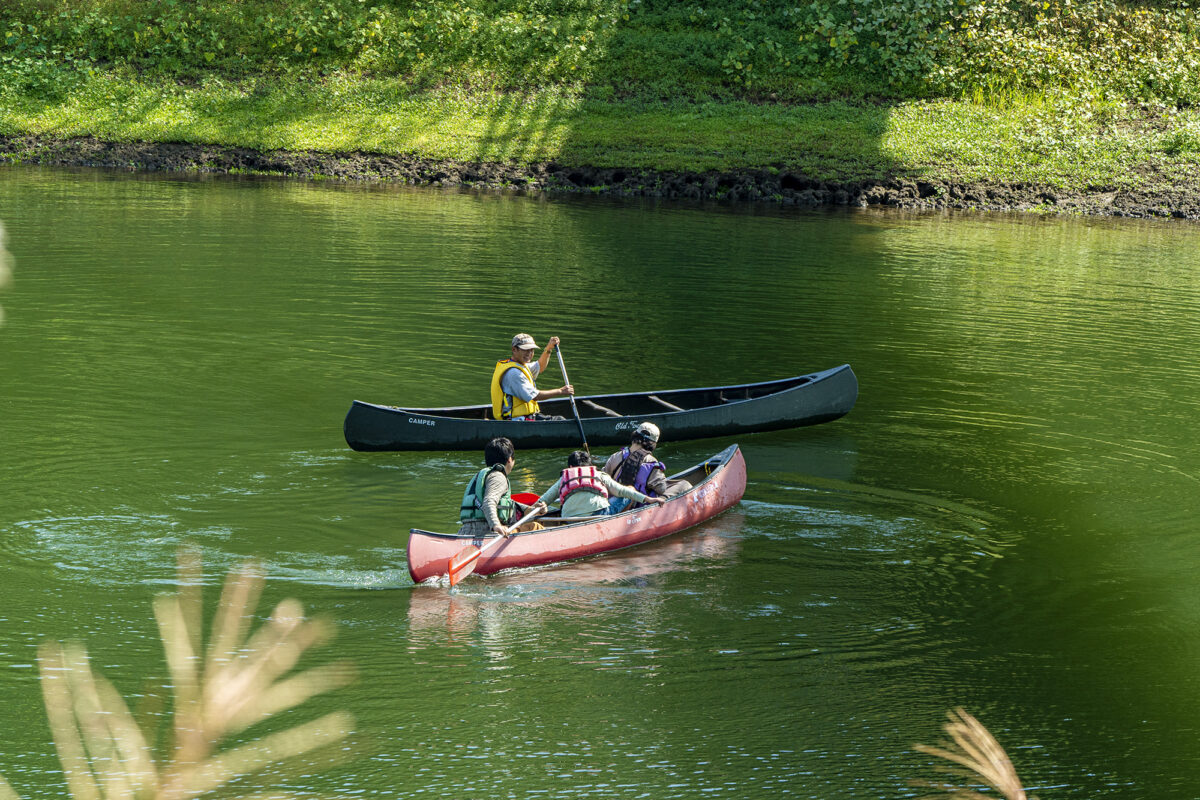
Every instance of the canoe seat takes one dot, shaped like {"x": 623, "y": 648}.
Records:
{"x": 664, "y": 403}
{"x": 598, "y": 407}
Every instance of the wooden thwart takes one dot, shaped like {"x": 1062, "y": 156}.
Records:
{"x": 598, "y": 407}
{"x": 664, "y": 403}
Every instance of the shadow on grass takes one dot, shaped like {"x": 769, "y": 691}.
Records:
{"x": 583, "y": 138}
{"x": 688, "y": 147}
{"x": 569, "y": 139}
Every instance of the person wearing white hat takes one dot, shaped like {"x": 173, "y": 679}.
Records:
{"x": 636, "y": 465}
{"x": 515, "y": 394}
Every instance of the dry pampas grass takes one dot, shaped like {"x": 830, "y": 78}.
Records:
{"x": 984, "y": 759}
{"x": 243, "y": 678}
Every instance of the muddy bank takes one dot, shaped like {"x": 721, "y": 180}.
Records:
{"x": 1157, "y": 199}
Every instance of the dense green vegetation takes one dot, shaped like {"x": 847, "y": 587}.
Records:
{"x": 1076, "y": 83}
{"x": 719, "y": 48}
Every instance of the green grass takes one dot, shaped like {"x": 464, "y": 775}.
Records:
{"x": 1052, "y": 92}
{"x": 1006, "y": 139}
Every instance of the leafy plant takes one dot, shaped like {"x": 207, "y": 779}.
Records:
{"x": 656, "y": 48}
{"x": 1183, "y": 138}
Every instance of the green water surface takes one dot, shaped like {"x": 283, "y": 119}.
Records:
{"x": 1007, "y": 521}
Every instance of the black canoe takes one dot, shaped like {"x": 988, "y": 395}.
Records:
{"x": 610, "y": 419}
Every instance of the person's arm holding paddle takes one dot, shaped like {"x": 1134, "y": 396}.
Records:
{"x": 550, "y": 394}
{"x": 493, "y": 491}
{"x": 628, "y": 492}
{"x": 544, "y": 361}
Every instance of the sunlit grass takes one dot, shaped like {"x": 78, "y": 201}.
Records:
{"x": 1005, "y": 138}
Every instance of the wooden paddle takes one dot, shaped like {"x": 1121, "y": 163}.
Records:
{"x": 464, "y": 563}
{"x": 563, "y": 367}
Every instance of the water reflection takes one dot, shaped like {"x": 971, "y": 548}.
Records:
{"x": 5, "y": 267}
{"x": 573, "y": 589}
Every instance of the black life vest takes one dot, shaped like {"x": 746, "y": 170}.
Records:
{"x": 636, "y": 468}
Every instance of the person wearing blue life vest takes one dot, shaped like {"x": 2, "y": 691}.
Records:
{"x": 584, "y": 491}
{"x": 487, "y": 506}
{"x": 515, "y": 395}
{"x": 636, "y": 466}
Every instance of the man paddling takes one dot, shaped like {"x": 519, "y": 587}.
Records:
{"x": 514, "y": 393}
{"x": 487, "y": 506}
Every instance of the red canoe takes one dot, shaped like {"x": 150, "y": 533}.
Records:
{"x": 717, "y": 484}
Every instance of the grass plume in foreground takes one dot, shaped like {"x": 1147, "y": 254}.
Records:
{"x": 981, "y": 758}
{"x": 241, "y": 679}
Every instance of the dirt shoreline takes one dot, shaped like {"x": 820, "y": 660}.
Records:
{"x": 1180, "y": 201}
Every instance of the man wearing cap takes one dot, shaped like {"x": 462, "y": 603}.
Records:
{"x": 514, "y": 395}
{"x": 636, "y": 465}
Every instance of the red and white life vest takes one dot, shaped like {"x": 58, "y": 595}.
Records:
{"x": 575, "y": 479}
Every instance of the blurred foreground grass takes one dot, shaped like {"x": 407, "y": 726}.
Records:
{"x": 242, "y": 678}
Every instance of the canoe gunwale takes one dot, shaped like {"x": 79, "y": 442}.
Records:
{"x": 811, "y": 378}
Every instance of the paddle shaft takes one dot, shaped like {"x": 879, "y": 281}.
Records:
{"x": 464, "y": 563}
{"x": 530, "y": 514}
{"x": 562, "y": 366}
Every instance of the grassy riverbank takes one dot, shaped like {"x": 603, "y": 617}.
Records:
{"x": 835, "y": 95}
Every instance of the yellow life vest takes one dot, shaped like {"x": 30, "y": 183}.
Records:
{"x": 505, "y": 406}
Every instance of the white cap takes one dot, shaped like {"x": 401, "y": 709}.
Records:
{"x": 648, "y": 430}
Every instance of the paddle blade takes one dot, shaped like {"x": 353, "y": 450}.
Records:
{"x": 525, "y": 498}
{"x": 463, "y": 564}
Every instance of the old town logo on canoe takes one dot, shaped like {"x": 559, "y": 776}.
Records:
{"x": 415, "y": 421}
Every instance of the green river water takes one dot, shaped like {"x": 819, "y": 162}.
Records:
{"x": 1008, "y": 521}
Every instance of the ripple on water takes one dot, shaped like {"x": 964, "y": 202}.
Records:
{"x": 100, "y": 549}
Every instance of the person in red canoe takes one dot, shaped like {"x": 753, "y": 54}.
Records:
{"x": 584, "y": 491}
{"x": 514, "y": 393}
{"x": 636, "y": 466}
{"x": 487, "y": 506}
